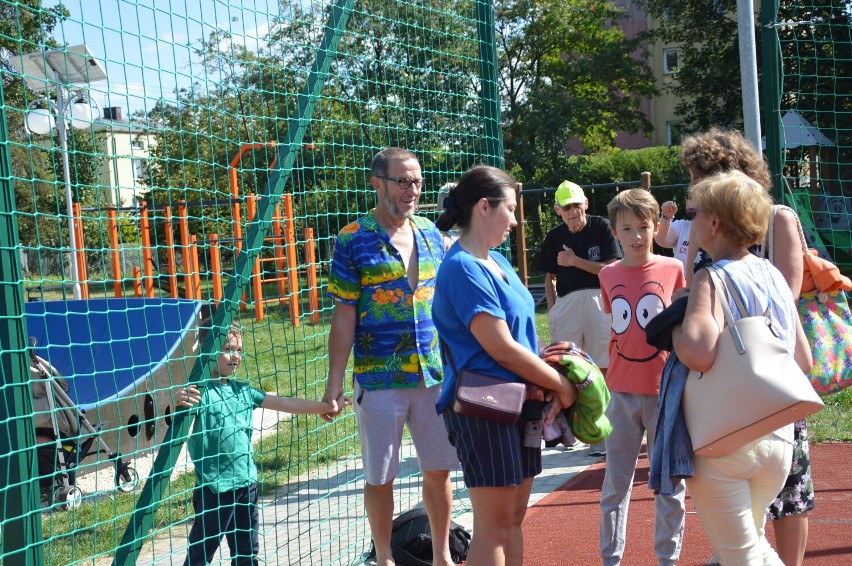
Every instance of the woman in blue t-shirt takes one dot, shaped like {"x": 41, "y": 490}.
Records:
{"x": 486, "y": 320}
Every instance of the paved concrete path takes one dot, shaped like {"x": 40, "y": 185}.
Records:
{"x": 320, "y": 519}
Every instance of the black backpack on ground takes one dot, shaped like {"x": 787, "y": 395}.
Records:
{"x": 411, "y": 540}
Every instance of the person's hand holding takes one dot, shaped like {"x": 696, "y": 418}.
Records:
{"x": 336, "y": 400}
{"x": 187, "y": 396}
{"x": 551, "y": 409}
{"x": 566, "y": 257}
{"x": 564, "y": 397}
{"x": 669, "y": 209}
{"x": 335, "y": 407}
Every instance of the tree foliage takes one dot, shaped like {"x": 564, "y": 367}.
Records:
{"x": 388, "y": 85}
{"x": 815, "y": 43}
{"x": 39, "y": 179}
{"x": 401, "y": 76}
{"x": 707, "y": 83}
{"x": 567, "y": 70}
{"x": 37, "y": 160}
{"x": 24, "y": 27}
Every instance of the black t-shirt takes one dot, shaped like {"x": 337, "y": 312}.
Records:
{"x": 595, "y": 242}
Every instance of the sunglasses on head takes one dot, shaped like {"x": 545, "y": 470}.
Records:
{"x": 691, "y": 212}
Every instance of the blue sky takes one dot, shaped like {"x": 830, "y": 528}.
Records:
{"x": 145, "y": 44}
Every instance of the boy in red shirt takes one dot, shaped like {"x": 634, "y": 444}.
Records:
{"x": 634, "y": 290}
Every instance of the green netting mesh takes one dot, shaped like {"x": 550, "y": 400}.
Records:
{"x": 808, "y": 70}
{"x": 207, "y": 153}
{"x": 816, "y": 109}
{"x": 167, "y": 157}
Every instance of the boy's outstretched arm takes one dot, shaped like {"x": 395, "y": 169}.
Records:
{"x": 296, "y": 406}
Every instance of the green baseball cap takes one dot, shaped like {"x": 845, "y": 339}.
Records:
{"x": 569, "y": 193}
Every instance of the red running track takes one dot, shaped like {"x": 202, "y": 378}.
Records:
{"x": 562, "y": 528}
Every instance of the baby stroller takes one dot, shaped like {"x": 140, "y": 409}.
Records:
{"x": 65, "y": 437}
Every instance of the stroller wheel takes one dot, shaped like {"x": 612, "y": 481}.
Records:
{"x": 68, "y": 497}
{"x": 127, "y": 479}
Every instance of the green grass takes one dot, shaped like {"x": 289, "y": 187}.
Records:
{"x": 94, "y": 530}
{"x": 834, "y": 422}
{"x": 541, "y": 325}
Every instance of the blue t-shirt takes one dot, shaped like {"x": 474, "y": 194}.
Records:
{"x": 466, "y": 287}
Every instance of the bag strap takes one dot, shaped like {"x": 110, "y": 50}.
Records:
{"x": 806, "y": 256}
{"x": 734, "y": 292}
{"x": 716, "y": 282}
{"x": 770, "y": 234}
{"x": 445, "y": 350}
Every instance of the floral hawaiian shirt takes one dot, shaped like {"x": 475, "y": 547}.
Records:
{"x": 395, "y": 338}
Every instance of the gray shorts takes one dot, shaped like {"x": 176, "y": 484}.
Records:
{"x": 381, "y": 418}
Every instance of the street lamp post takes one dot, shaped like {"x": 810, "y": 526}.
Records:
{"x": 61, "y": 69}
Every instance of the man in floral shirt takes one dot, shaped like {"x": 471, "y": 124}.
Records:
{"x": 382, "y": 281}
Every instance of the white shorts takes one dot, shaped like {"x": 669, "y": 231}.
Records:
{"x": 381, "y": 418}
{"x": 579, "y": 317}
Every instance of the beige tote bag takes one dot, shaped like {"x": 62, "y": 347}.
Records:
{"x": 753, "y": 388}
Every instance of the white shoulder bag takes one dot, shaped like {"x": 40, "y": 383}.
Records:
{"x": 753, "y": 388}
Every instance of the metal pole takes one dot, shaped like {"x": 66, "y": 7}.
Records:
{"x": 490, "y": 96}
{"x": 62, "y": 128}
{"x": 154, "y": 489}
{"x": 21, "y": 542}
{"x": 748, "y": 72}
{"x": 771, "y": 49}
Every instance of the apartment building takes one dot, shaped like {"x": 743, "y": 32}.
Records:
{"x": 123, "y": 172}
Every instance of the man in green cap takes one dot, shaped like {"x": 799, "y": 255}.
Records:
{"x": 571, "y": 256}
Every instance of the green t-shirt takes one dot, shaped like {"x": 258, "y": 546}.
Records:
{"x": 220, "y": 442}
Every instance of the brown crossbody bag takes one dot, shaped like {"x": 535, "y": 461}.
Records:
{"x": 485, "y": 396}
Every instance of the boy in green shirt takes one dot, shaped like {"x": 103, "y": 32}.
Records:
{"x": 225, "y": 495}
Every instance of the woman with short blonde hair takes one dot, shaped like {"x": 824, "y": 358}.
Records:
{"x": 733, "y": 492}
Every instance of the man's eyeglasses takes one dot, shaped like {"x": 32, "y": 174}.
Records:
{"x": 567, "y": 207}
{"x": 404, "y": 184}
{"x": 691, "y": 212}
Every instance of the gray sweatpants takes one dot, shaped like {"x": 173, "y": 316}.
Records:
{"x": 631, "y": 416}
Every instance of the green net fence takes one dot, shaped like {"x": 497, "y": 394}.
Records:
{"x": 166, "y": 160}
{"x": 163, "y": 160}
{"x": 807, "y": 51}
{"x": 815, "y": 40}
